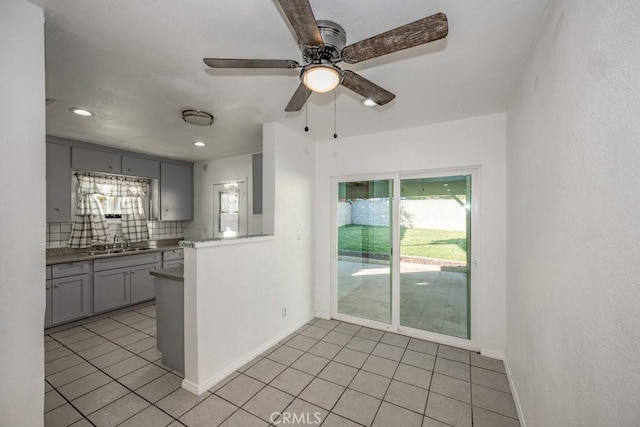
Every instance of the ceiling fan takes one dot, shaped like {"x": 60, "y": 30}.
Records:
{"x": 323, "y": 45}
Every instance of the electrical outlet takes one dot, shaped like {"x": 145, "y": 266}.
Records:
{"x": 284, "y": 311}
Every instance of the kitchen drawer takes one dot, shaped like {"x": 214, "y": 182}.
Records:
{"x": 126, "y": 261}
{"x": 70, "y": 269}
{"x": 173, "y": 263}
{"x": 173, "y": 254}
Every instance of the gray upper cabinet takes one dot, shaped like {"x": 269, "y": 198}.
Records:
{"x": 58, "y": 183}
{"x": 140, "y": 167}
{"x": 95, "y": 160}
{"x": 176, "y": 192}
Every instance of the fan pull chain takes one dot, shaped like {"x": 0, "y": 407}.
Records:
{"x": 306, "y": 111}
{"x": 335, "y": 115}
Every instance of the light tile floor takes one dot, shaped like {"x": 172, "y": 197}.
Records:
{"x": 108, "y": 372}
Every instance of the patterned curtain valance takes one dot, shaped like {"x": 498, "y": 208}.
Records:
{"x": 111, "y": 185}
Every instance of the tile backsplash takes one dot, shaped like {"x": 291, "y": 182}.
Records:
{"x": 58, "y": 232}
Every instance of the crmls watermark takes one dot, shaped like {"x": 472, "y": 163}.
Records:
{"x": 303, "y": 418}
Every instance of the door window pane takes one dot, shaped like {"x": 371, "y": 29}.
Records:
{"x": 364, "y": 249}
{"x": 434, "y": 254}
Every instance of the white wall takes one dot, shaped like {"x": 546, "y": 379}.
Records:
{"x": 472, "y": 142}
{"x": 573, "y": 293}
{"x": 205, "y": 175}
{"x": 22, "y": 213}
{"x": 234, "y": 293}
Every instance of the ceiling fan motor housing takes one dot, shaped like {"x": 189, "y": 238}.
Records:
{"x": 334, "y": 38}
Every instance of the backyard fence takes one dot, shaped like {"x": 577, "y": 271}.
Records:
{"x": 435, "y": 214}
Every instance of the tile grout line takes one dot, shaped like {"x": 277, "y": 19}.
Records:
{"x": 394, "y": 374}
{"x": 393, "y": 379}
{"x": 114, "y": 379}
{"x": 286, "y": 366}
{"x": 69, "y": 403}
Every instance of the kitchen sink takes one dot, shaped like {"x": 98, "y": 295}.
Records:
{"x": 114, "y": 251}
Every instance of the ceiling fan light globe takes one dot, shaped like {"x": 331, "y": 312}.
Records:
{"x": 321, "y": 78}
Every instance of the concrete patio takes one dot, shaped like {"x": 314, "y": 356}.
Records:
{"x": 430, "y": 299}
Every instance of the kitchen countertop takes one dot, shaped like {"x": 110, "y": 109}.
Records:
{"x": 220, "y": 241}
{"x": 64, "y": 255}
{"x": 171, "y": 273}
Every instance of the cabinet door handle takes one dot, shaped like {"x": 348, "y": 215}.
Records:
{"x": 57, "y": 209}
{"x": 48, "y": 287}
{"x": 56, "y": 285}
{"x": 110, "y": 167}
{"x": 133, "y": 272}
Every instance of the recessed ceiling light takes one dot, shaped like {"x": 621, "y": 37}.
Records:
{"x": 368, "y": 102}
{"x": 199, "y": 144}
{"x": 81, "y": 112}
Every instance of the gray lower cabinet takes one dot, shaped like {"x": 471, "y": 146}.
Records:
{"x": 143, "y": 285}
{"x": 172, "y": 258}
{"x": 47, "y": 314}
{"x": 121, "y": 281}
{"x": 70, "y": 298}
{"x": 173, "y": 263}
{"x": 111, "y": 289}
{"x": 68, "y": 292}
{"x": 79, "y": 289}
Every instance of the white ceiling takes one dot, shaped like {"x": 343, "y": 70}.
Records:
{"x": 137, "y": 64}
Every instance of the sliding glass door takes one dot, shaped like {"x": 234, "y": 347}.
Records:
{"x": 424, "y": 285}
{"x": 364, "y": 249}
{"x": 434, "y": 248}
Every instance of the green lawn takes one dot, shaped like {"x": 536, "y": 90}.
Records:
{"x": 450, "y": 245}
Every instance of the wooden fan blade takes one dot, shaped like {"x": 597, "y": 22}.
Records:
{"x": 300, "y": 16}
{"x": 366, "y": 88}
{"x": 250, "y": 63}
{"x": 425, "y": 30}
{"x": 298, "y": 99}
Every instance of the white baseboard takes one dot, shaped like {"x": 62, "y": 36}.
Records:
{"x": 492, "y": 354}
{"x": 198, "y": 389}
{"x": 514, "y": 393}
{"x": 192, "y": 388}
